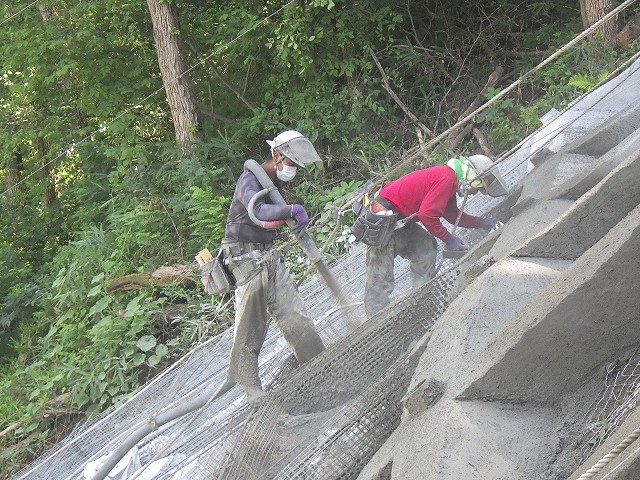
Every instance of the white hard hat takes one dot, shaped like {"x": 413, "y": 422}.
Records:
{"x": 296, "y": 147}
{"x": 284, "y": 137}
{"x": 485, "y": 169}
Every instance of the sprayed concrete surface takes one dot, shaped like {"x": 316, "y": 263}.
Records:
{"x": 509, "y": 371}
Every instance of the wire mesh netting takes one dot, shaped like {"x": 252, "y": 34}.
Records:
{"x": 323, "y": 420}
{"x": 348, "y": 397}
{"x": 619, "y": 397}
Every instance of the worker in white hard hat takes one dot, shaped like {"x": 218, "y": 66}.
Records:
{"x": 425, "y": 196}
{"x": 264, "y": 287}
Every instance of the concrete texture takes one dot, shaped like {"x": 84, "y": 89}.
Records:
{"x": 591, "y": 216}
{"x": 577, "y": 186}
{"x": 578, "y": 323}
{"x": 512, "y": 367}
{"x": 485, "y": 434}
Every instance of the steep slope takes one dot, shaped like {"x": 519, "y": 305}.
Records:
{"x": 486, "y": 372}
{"x": 519, "y": 355}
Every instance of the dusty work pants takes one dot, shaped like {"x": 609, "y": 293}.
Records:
{"x": 266, "y": 289}
{"x": 411, "y": 242}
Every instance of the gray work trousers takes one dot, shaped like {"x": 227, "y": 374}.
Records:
{"x": 267, "y": 289}
{"x": 411, "y": 242}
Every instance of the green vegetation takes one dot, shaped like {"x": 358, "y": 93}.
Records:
{"x": 94, "y": 187}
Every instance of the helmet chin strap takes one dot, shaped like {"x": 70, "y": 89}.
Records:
{"x": 464, "y": 185}
{"x": 463, "y": 188}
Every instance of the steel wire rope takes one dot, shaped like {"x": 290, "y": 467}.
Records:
{"x": 604, "y": 461}
{"x": 105, "y": 126}
{"x": 622, "y": 400}
{"x": 19, "y": 12}
{"x": 613, "y": 470}
{"x": 621, "y": 446}
{"x": 547, "y": 137}
{"x": 554, "y": 133}
{"x": 636, "y": 433}
{"x": 420, "y": 149}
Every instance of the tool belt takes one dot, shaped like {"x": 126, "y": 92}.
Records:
{"x": 243, "y": 258}
{"x": 375, "y": 222}
{"x": 380, "y": 203}
{"x": 234, "y": 248}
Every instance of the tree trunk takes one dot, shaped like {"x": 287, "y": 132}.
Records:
{"x": 594, "y": 10}
{"x": 49, "y": 191}
{"x": 12, "y": 177}
{"x": 177, "y": 81}
{"x": 49, "y": 194}
{"x": 45, "y": 12}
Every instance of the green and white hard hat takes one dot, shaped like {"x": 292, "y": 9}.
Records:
{"x": 478, "y": 171}
{"x": 296, "y": 147}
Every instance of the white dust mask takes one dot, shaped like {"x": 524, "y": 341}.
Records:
{"x": 287, "y": 173}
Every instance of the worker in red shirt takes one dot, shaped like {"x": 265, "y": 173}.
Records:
{"x": 428, "y": 195}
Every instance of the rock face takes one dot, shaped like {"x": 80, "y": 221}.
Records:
{"x": 512, "y": 366}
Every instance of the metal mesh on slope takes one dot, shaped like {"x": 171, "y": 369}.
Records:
{"x": 620, "y": 396}
{"x": 202, "y": 442}
{"x": 223, "y": 422}
{"x": 363, "y": 378}
{"x": 345, "y": 403}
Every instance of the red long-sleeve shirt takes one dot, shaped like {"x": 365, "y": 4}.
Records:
{"x": 432, "y": 193}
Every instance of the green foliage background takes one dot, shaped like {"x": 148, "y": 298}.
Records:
{"x": 82, "y": 111}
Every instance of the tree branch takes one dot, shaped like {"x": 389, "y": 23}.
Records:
{"x": 10, "y": 428}
{"x": 492, "y": 81}
{"x": 387, "y": 87}
{"x": 482, "y": 141}
{"x": 459, "y": 134}
{"x": 219, "y": 75}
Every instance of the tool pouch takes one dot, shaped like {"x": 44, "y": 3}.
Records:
{"x": 244, "y": 269}
{"x": 373, "y": 229}
{"x": 216, "y": 278}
